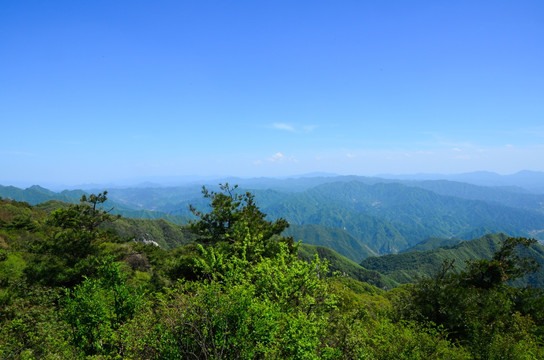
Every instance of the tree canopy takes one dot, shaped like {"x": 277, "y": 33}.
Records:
{"x": 235, "y": 219}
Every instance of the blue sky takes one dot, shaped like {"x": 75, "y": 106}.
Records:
{"x": 96, "y": 91}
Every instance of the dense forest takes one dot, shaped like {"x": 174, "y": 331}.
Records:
{"x": 77, "y": 281}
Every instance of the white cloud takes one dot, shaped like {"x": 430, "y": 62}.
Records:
{"x": 283, "y": 126}
{"x": 276, "y": 157}
{"x": 292, "y": 128}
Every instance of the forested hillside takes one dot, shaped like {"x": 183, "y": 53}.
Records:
{"x": 35, "y": 195}
{"x": 78, "y": 282}
{"x": 334, "y": 238}
{"x": 510, "y": 196}
{"x": 343, "y": 266}
{"x": 412, "y": 265}
{"x": 356, "y": 216}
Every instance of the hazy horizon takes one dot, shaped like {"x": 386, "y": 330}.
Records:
{"x": 98, "y": 92}
{"x": 484, "y": 178}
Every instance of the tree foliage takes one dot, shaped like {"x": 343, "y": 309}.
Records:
{"x": 476, "y": 306}
{"x": 64, "y": 256}
{"x": 96, "y": 309}
{"x": 235, "y": 218}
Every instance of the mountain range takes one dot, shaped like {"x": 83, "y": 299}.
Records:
{"x": 356, "y": 216}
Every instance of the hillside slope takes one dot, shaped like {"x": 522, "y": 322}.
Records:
{"x": 409, "y": 266}
{"x": 343, "y": 266}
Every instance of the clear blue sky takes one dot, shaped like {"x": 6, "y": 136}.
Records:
{"x": 95, "y": 91}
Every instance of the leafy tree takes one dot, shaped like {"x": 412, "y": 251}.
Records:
{"x": 30, "y": 325}
{"x": 476, "y": 306}
{"x": 65, "y": 255}
{"x": 234, "y": 218}
{"x": 506, "y": 265}
{"x": 96, "y": 309}
{"x": 253, "y": 297}
{"x": 276, "y": 308}
{"x": 85, "y": 216}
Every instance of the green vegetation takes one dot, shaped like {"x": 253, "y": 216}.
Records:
{"x": 409, "y": 266}
{"x": 336, "y": 239}
{"x": 48, "y": 200}
{"x": 357, "y": 217}
{"x": 433, "y": 243}
{"x": 343, "y": 266}
{"x": 478, "y": 309}
{"x": 74, "y": 285}
{"x": 509, "y": 196}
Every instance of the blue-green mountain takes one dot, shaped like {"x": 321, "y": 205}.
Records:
{"x": 355, "y": 216}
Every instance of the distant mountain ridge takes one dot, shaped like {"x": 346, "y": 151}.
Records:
{"x": 532, "y": 181}
{"x": 528, "y": 180}
{"x": 36, "y": 194}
